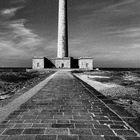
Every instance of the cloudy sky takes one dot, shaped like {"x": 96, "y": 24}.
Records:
{"x": 108, "y": 30}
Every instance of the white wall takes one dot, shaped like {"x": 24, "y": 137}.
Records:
{"x": 66, "y": 63}
{"x": 38, "y": 63}
{"x": 86, "y": 64}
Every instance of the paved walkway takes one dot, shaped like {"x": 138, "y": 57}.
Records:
{"x": 65, "y": 110}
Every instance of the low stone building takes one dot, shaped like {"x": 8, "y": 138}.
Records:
{"x": 63, "y": 63}
{"x": 86, "y": 63}
{"x": 42, "y": 63}
{"x": 38, "y": 62}
{"x": 63, "y": 60}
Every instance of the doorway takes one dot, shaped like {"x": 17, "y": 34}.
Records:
{"x": 62, "y": 65}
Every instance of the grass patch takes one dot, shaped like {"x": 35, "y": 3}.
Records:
{"x": 17, "y": 76}
{"x": 13, "y": 84}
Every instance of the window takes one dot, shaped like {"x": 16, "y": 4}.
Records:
{"x": 37, "y": 64}
{"x": 86, "y": 65}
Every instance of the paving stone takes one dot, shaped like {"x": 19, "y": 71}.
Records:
{"x": 41, "y": 125}
{"x": 106, "y": 122}
{"x": 81, "y": 131}
{"x": 2, "y": 130}
{"x": 3, "y": 137}
{"x": 29, "y": 137}
{"x": 118, "y": 123}
{"x": 26, "y": 117}
{"x": 112, "y": 138}
{"x": 101, "y": 127}
{"x": 41, "y": 117}
{"x": 67, "y": 138}
{"x": 16, "y": 113}
{"x": 28, "y": 113}
{"x": 6, "y": 125}
{"x": 23, "y": 125}
{"x": 117, "y": 127}
{"x": 100, "y": 118}
{"x": 15, "y": 121}
{"x": 13, "y": 132}
{"x": 132, "y": 138}
{"x": 56, "y": 131}
{"x": 125, "y": 132}
{"x": 115, "y": 118}
{"x": 120, "y": 111}
{"x": 63, "y": 117}
{"x": 84, "y": 122}
{"x": 134, "y": 122}
{"x": 62, "y": 125}
{"x": 13, "y": 117}
{"x": 102, "y": 132}
{"x": 64, "y": 109}
{"x": 63, "y": 121}
{"x": 71, "y": 113}
{"x": 45, "y": 137}
{"x": 34, "y": 131}
{"x": 5, "y": 122}
{"x": 91, "y": 138}
{"x": 82, "y": 118}
{"x": 48, "y": 121}
{"x": 32, "y": 121}
{"x": 84, "y": 125}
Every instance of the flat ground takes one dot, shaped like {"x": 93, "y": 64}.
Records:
{"x": 65, "y": 110}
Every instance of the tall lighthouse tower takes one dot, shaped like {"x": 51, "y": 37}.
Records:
{"x": 62, "y": 50}
{"x": 63, "y": 60}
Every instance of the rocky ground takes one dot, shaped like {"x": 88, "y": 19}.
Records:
{"x": 13, "y": 84}
{"x": 123, "y": 87}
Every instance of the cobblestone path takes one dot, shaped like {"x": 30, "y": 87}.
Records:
{"x": 65, "y": 110}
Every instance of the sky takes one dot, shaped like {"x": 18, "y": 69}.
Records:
{"x": 107, "y": 30}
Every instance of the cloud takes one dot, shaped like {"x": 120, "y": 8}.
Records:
{"x": 10, "y": 12}
{"x": 22, "y": 36}
{"x": 109, "y": 12}
{"x": 101, "y": 5}
{"x": 18, "y": 1}
{"x": 121, "y": 3}
{"x": 15, "y": 37}
{"x": 124, "y": 9}
{"x": 132, "y": 32}
{"x": 135, "y": 46}
{"x": 76, "y": 41}
{"x": 7, "y": 49}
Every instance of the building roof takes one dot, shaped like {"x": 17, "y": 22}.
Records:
{"x": 86, "y": 58}
{"x": 38, "y": 57}
{"x": 64, "y": 58}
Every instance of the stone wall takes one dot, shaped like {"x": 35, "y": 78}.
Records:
{"x": 86, "y": 63}
{"x": 63, "y": 63}
{"x": 38, "y": 63}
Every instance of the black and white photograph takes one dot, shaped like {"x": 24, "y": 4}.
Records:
{"x": 69, "y": 69}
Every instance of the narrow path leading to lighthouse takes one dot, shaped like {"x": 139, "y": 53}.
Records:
{"x": 65, "y": 110}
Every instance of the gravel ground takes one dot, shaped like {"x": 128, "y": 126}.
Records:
{"x": 119, "y": 92}
{"x": 122, "y": 87}
{"x": 127, "y": 97}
